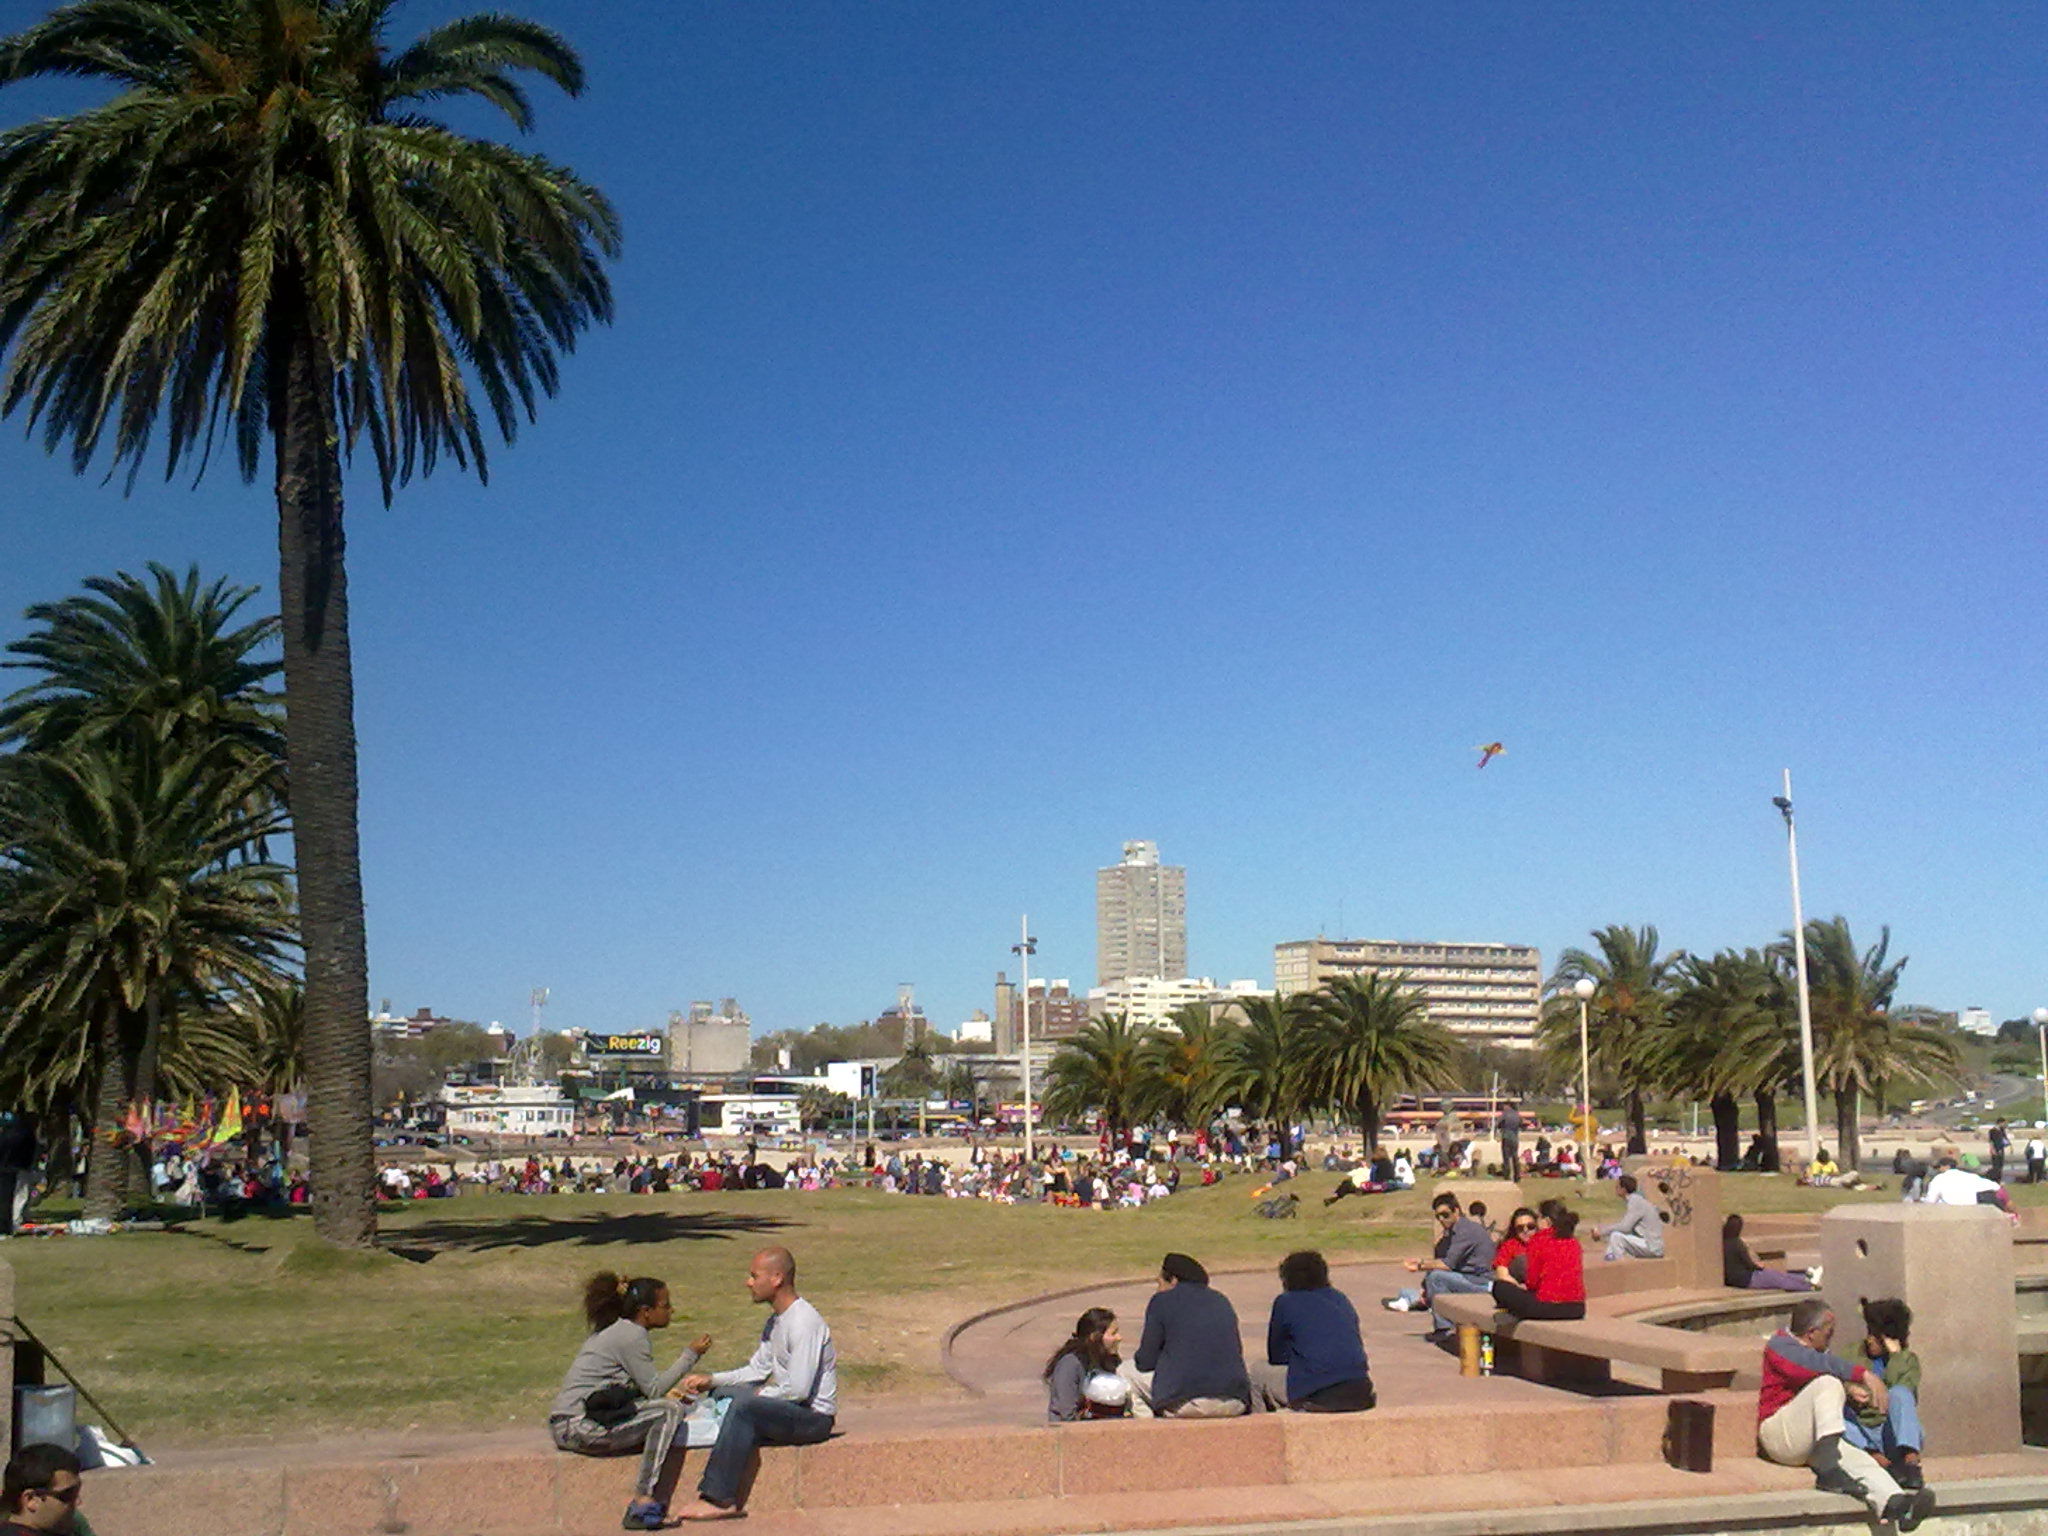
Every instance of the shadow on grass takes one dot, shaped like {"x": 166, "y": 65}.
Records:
{"x": 587, "y": 1230}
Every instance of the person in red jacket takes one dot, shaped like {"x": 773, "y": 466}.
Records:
{"x": 1799, "y": 1416}
{"x": 1553, "y": 1286}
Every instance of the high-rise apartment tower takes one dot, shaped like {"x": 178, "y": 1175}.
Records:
{"x": 1141, "y": 918}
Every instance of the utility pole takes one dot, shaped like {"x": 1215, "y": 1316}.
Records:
{"x": 1784, "y": 804}
{"x": 1024, "y": 951}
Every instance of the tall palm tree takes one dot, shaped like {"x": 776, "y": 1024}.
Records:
{"x": 1366, "y": 1039}
{"x": 1099, "y": 1071}
{"x": 1186, "y": 1066}
{"x": 1632, "y": 988}
{"x": 128, "y": 889}
{"x": 1858, "y": 1047}
{"x": 264, "y": 239}
{"x": 1263, "y": 1075}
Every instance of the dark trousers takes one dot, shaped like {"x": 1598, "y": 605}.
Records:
{"x": 1511, "y": 1157}
{"x": 1998, "y": 1165}
{"x": 8, "y": 1176}
{"x": 1518, "y": 1302}
{"x": 750, "y": 1422}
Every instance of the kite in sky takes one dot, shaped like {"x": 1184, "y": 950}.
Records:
{"x": 1489, "y": 752}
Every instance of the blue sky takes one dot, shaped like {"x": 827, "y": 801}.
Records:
{"x": 1029, "y": 427}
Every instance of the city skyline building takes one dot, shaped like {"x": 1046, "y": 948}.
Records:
{"x": 1057, "y": 1013}
{"x": 1141, "y": 918}
{"x": 1151, "y": 1002}
{"x": 1487, "y": 992}
{"x": 711, "y": 1039}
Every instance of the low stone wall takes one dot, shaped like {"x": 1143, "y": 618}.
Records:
{"x": 527, "y": 1494}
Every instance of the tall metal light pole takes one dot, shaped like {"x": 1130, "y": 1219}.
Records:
{"x": 1583, "y": 990}
{"x": 2041, "y": 1025}
{"x": 1784, "y": 804}
{"x": 1024, "y": 952}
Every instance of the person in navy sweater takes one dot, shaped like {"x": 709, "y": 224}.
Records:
{"x": 1315, "y": 1359}
{"x": 1190, "y": 1360}
{"x": 1799, "y": 1416}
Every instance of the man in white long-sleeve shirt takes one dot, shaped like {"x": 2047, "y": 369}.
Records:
{"x": 786, "y": 1394}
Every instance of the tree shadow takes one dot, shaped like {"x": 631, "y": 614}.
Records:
{"x": 585, "y": 1230}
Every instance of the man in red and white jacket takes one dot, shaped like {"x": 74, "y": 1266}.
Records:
{"x": 1799, "y": 1416}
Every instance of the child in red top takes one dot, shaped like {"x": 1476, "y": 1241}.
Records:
{"x": 1554, "y": 1282}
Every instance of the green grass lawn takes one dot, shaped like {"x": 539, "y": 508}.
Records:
{"x": 251, "y": 1329}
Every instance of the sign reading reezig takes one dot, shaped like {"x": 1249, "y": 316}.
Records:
{"x": 652, "y": 1044}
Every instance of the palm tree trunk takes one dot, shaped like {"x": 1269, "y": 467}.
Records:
{"x": 1638, "y": 1131}
{"x": 109, "y": 1167}
{"x": 1848, "y": 1137}
{"x": 321, "y": 759}
{"x": 1369, "y": 1121}
{"x": 1767, "y": 1126}
{"x": 1727, "y": 1130}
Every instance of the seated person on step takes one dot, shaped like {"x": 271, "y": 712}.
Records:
{"x": 1740, "y": 1270}
{"x": 1081, "y": 1378}
{"x": 1190, "y": 1360}
{"x": 1460, "y": 1264}
{"x": 1640, "y": 1232}
{"x": 1554, "y": 1285}
{"x": 1315, "y": 1359}
{"x": 1892, "y": 1433}
{"x": 1800, "y": 1416}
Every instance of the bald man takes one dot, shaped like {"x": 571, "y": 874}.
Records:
{"x": 785, "y": 1395}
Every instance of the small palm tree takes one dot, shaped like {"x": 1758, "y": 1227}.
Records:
{"x": 1632, "y": 988}
{"x": 1099, "y": 1071}
{"x": 1367, "y": 1039}
{"x": 164, "y": 659}
{"x": 264, "y": 241}
{"x": 1858, "y": 1046}
{"x": 1263, "y": 1075}
{"x": 1186, "y": 1066}
{"x": 1716, "y": 999}
{"x": 128, "y": 887}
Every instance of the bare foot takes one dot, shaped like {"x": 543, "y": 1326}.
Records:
{"x": 704, "y": 1509}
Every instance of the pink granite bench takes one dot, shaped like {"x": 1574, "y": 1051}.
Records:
{"x": 541, "y": 1493}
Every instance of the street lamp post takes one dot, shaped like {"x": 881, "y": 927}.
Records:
{"x": 1583, "y": 990}
{"x": 2041, "y": 1026}
{"x": 1784, "y": 804}
{"x": 1024, "y": 951}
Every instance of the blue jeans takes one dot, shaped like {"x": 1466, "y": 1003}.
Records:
{"x": 1439, "y": 1282}
{"x": 751, "y": 1421}
{"x": 1899, "y": 1432}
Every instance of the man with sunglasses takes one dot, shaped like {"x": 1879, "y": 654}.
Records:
{"x": 39, "y": 1491}
{"x": 1461, "y": 1263}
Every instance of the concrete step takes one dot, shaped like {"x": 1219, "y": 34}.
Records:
{"x": 2006, "y": 1495}
{"x": 1034, "y": 1474}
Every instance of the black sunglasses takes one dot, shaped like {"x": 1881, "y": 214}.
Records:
{"x": 61, "y": 1495}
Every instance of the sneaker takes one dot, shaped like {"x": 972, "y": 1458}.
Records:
{"x": 1907, "y": 1510}
{"x": 1907, "y": 1475}
{"x": 1835, "y": 1480}
{"x": 1396, "y": 1304}
{"x": 644, "y": 1515}
{"x": 1813, "y": 1276}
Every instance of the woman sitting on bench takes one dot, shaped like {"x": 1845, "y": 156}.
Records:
{"x": 1554, "y": 1288}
